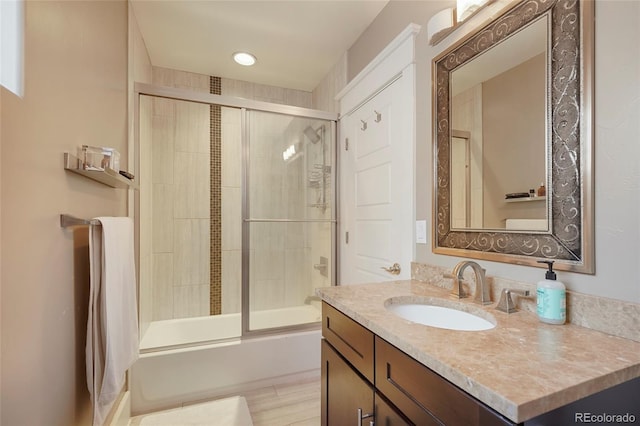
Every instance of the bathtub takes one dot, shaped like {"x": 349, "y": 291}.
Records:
{"x": 173, "y": 370}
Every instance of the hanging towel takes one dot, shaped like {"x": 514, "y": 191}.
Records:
{"x": 112, "y": 327}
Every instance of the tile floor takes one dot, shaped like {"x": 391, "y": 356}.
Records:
{"x": 290, "y": 404}
{"x": 293, "y": 404}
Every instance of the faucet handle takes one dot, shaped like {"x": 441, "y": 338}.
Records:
{"x": 506, "y": 303}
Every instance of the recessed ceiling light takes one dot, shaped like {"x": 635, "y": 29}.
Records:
{"x": 244, "y": 58}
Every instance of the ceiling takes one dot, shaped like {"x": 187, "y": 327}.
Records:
{"x": 297, "y": 42}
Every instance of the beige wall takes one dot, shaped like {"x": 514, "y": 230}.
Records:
{"x": 617, "y": 105}
{"x": 390, "y": 22}
{"x": 513, "y": 110}
{"x": 75, "y": 93}
{"x": 325, "y": 93}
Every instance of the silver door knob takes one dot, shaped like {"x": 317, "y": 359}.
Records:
{"x": 394, "y": 269}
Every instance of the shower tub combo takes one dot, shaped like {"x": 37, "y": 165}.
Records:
{"x": 278, "y": 245}
{"x": 167, "y": 375}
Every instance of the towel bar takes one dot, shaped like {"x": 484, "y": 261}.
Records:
{"x": 68, "y": 220}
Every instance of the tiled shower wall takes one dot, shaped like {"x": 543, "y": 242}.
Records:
{"x": 184, "y": 284}
{"x": 181, "y": 200}
{"x": 231, "y": 210}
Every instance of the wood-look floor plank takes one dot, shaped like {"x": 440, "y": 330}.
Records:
{"x": 293, "y": 404}
{"x": 288, "y": 404}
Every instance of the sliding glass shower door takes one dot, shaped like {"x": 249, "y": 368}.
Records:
{"x": 288, "y": 218}
{"x": 236, "y": 216}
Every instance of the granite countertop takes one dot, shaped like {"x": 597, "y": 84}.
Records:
{"x": 521, "y": 368}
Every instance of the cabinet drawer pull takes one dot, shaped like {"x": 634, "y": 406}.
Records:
{"x": 363, "y": 416}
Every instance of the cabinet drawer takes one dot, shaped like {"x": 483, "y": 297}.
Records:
{"x": 387, "y": 415}
{"x": 419, "y": 393}
{"x": 350, "y": 339}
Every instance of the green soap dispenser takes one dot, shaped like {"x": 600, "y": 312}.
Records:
{"x": 551, "y": 298}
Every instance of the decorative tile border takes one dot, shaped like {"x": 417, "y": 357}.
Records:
{"x": 215, "y": 264}
{"x": 611, "y": 316}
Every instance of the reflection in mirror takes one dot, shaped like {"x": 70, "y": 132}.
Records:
{"x": 501, "y": 132}
{"x": 499, "y": 101}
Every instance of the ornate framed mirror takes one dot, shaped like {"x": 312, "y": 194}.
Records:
{"x": 512, "y": 122}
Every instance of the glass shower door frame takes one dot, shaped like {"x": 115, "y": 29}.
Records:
{"x": 243, "y": 105}
{"x": 247, "y": 220}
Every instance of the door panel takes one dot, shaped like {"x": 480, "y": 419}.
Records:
{"x": 343, "y": 391}
{"x": 372, "y": 185}
{"x": 377, "y": 188}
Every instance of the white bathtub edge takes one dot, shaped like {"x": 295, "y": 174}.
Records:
{"x": 163, "y": 380}
{"x": 122, "y": 414}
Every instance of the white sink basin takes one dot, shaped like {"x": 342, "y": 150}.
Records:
{"x": 440, "y": 316}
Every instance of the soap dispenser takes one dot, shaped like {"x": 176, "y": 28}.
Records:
{"x": 551, "y": 298}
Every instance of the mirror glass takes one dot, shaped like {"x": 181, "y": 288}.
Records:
{"x": 512, "y": 138}
{"x": 499, "y": 135}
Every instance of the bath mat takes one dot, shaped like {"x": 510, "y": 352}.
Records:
{"x": 222, "y": 412}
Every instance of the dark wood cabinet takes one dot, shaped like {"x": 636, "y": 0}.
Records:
{"x": 387, "y": 415}
{"x": 346, "y": 395}
{"x": 350, "y": 339}
{"x": 362, "y": 371}
{"x": 423, "y": 396}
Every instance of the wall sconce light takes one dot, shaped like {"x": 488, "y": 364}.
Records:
{"x": 466, "y": 8}
{"x": 444, "y": 22}
{"x": 440, "y": 22}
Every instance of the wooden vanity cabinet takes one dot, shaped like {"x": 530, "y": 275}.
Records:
{"x": 343, "y": 391}
{"x": 350, "y": 339}
{"x": 422, "y": 395}
{"x": 387, "y": 415}
{"x": 362, "y": 371}
{"x": 347, "y": 370}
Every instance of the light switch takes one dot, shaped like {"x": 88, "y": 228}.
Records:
{"x": 421, "y": 232}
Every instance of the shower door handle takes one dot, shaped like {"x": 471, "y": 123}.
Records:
{"x": 393, "y": 270}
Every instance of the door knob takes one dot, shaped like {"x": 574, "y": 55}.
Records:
{"x": 394, "y": 269}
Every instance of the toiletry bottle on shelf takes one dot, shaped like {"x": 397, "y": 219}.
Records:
{"x": 532, "y": 193}
{"x": 542, "y": 191}
{"x": 551, "y": 298}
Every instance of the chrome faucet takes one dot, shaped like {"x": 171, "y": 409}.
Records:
{"x": 482, "y": 294}
{"x": 506, "y": 303}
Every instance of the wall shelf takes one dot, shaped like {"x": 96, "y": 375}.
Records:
{"x": 107, "y": 177}
{"x": 525, "y": 199}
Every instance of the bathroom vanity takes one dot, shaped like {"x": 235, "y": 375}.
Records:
{"x": 378, "y": 368}
{"x": 357, "y": 383}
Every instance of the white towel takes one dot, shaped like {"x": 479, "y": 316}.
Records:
{"x": 112, "y": 328}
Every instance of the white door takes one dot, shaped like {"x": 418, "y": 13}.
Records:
{"x": 376, "y": 187}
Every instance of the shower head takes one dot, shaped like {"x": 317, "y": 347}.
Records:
{"x": 312, "y": 134}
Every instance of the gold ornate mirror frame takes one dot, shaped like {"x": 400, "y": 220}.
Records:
{"x": 569, "y": 240}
